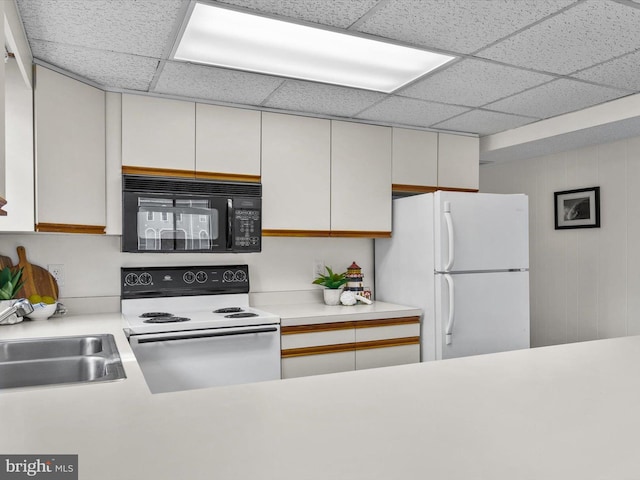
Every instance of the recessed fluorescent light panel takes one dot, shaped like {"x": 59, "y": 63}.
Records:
{"x": 232, "y": 39}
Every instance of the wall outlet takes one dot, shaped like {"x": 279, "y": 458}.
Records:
{"x": 318, "y": 268}
{"x": 57, "y": 271}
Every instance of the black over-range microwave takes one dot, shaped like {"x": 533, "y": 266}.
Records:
{"x": 162, "y": 214}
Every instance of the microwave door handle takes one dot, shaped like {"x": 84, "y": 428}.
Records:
{"x": 229, "y": 223}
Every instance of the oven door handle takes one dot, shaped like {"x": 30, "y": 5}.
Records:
{"x": 229, "y": 223}
{"x": 195, "y": 334}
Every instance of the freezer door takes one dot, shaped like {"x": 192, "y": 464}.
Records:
{"x": 483, "y": 312}
{"x": 481, "y": 231}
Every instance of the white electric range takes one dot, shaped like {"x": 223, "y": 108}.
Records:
{"x": 192, "y": 327}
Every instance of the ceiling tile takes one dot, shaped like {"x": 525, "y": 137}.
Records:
{"x": 484, "y": 122}
{"x": 555, "y": 98}
{"x": 337, "y": 13}
{"x": 110, "y": 69}
{"x": 323, "y": 99}
{"x": 218, "y": 84}
{"x": 582, "y": 36}
{"x": 141, "y": 27}
{"x": 623, "y": 72}
{"x": 407, "y": 111}
{"x": 454, "y": 25}
{"x": 474, "y": 83}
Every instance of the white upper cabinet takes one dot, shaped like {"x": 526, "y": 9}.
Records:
{"x": 458, "y": 161}
{"x": 415, "y": 158}
{"x": 360, "y": 177}
{"x": 227, "y": 140}
{"x": 70, "y": 153}
{"x": 158, "y": 133}
{"x": 19, "y": 172}
{"x": 296, "y": 172}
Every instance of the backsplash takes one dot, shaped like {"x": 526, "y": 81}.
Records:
{"x": 92, "y": 263}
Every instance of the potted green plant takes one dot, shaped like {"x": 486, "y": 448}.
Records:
{"x": 333, "y": 283}
{"x": 10, "y": 285}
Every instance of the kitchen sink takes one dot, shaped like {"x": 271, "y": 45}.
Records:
{"x": 59, "y": 360}
{"x": 50, "y": 347}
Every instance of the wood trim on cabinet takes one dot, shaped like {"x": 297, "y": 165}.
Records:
{"x": 228, "y": 177}
{"x": 70, "y": 228}
{"x": 455, "y": 189}
{"x": 387, "y": 322}
{"x": 401, "y": 188}
{"x": 295, "y": 233}
{"x": 398, "y": 187}
{"x": 325, "y": 233}
{"x": 170, "y": 172}
{"x": 318, "y": 350}
{"x": 315, "y": 328}
{"x": 331, "y": 326}
{"x": 348, "y": 347}
{"x": 359, "y": 234}
{"x": 3, "y": 202}
{"x": 388, "y": 342}
{"x": 160, "y": 172}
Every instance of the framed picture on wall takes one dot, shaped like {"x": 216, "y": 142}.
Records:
{"x": 577, "y": 208}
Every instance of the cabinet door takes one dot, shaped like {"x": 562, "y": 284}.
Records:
{"x": 296, "y": 172}
{"x": 227, "y": 140}
{"x": 387, "y": 345}
{"x": 304, "y": 366}
{"x": 458, "y": 161}
{"x": 360, "y": 178}
{"x": 19, "y": 165}
{"x": 70, "y": 152}
{"x": 415, "y": 158}
{"x": 158, "y": 133}
{"x": 324, "y": 349}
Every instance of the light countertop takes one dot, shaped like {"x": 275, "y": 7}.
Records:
{"x": 564, "y": 412}
{"x": 313, "y": 313}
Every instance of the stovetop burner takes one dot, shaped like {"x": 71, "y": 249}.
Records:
{"x": 241, "y": 315}
{"x": 156, "y": 314}
{"x": 228, "y": 310}
{"x": 165, "y": 319}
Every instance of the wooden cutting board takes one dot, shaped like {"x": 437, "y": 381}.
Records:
{"x": 5, "y": 262}
{"x": 37, "y": 280}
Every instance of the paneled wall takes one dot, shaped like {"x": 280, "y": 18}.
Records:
{"x": 585, "y": 283}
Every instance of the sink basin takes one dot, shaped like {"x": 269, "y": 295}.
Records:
{"x": 51, "y": 347}
{"x": 56, "y": 371}
{"x": 59, "y": 360}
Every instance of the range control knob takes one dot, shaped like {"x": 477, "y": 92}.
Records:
{"x": 131, "y": 279}
{"x": 145, "y": 278}
{"x": 201, "y": 276}
{"x": 228, "y": 276}
{"x": 189, "y": 277}
{"x": 241, "y": 276}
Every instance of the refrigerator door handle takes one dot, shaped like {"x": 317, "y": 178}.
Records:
{"x": 449, "y": 330}
{"x": 449, "y": 221}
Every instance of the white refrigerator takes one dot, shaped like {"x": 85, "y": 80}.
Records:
{"x": 463, "y": 258}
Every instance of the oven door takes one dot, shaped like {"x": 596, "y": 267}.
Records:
{"x": 208, "y": 358}
{"x": 155, "y": 222}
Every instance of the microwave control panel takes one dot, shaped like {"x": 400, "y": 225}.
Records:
{"x": 247, "y": 224}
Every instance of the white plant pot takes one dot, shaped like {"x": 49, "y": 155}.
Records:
{"x": 332, "y": 296}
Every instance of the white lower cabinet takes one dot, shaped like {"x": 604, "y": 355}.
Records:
{"x": 352, "y": 345}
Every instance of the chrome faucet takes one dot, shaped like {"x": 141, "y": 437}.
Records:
{"x": 21, "y": 308}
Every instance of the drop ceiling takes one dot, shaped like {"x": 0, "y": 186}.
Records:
{"x": 519, "y": 61}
